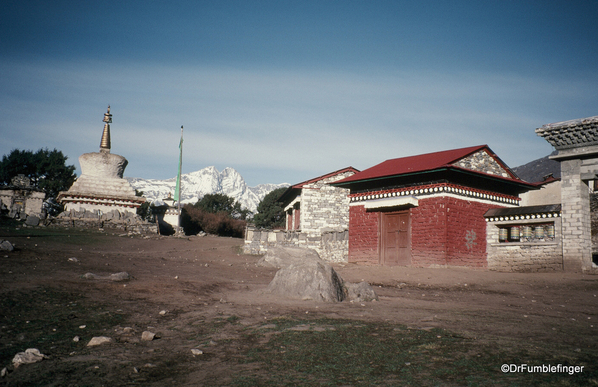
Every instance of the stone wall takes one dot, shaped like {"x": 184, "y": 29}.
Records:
{"x": 331, "y": 245}
{"x": 324, "y": 206}
{"x": 20, "y": 198}
{"x": 17, "y": 201}
{"x": 125, "y": 221}
{"x": 538, "y": 254}
{"x": 594, "y": 222}
{"x": 577, "y": 147}
{"x": 549, "y": 193}
{"x": 577, "y": 240}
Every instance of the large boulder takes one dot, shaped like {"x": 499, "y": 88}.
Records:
{"x": 303, "y": 275}
{"x": 281, "y": 257}
{"x": 310, "y": 280}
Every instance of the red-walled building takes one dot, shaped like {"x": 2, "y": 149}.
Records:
{"x": 428, "y": 209}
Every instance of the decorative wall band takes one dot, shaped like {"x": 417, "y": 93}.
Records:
{"x": 100, "y": 201}
{"x": 435, "y": 189}
{"x": 543, "y": 215}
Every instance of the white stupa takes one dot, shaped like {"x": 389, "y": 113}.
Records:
{"x": 101, "y": 187}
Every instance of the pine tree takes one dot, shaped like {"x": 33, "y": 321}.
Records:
{"x": 46, "y": 169}
{"x": 270, "y": 213}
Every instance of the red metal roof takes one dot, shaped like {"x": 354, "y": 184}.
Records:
{"x": 421, "y": 163}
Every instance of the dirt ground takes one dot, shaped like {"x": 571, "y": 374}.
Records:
{"x": 203, "y": 293}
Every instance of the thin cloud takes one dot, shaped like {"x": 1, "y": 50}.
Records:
{"x": 304, "y": 121}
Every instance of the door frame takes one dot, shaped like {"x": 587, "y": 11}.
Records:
{"x": 382, "y": 233}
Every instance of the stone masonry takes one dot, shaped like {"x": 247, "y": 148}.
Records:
{"x": 20, "y": 199}
{"x": 317, "y": 218}
{"x": 577, "y": 239}
{"x": 533, "y": 256}
{"x": 114, "y": 219}
{"x": 481, "y": 161}
{"x": 324, "y": 207}
{"x": 332, "y": 246}
{"x": 577, "y": 146}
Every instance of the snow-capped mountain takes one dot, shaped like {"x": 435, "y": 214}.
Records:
{"x": 196, "y": 184}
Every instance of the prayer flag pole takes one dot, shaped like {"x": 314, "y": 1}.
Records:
{"x": 177, "y": 190}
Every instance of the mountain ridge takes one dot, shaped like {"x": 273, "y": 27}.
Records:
{"x": 197, "y": 184}
{"x": 536, "y": 170}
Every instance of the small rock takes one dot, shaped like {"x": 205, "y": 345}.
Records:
{"x": 162, "y": 312}
{"x": 76, "y": 339}
{"x": 73, "y": 259}
{"x": 147, "y": 336}
{"x": 4, "y": 372}
{"x": 196, "y": 351}
{"x": 31, "y": 355}
{"x": 122, "y": 276}
{"x": 360, "y": 292}
{"x": 99, "y": 341}
{"x": 32, "y": 220}
{"x": 6, "y": 245}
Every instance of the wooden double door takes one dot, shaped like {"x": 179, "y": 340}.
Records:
{"x": 395, "y": 239}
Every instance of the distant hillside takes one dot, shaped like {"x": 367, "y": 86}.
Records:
{"x": 534, "y": 171}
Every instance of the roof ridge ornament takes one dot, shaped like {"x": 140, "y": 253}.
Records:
{"x": 105, "y": 142}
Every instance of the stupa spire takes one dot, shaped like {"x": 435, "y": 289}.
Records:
{"x": 105, "y": 143}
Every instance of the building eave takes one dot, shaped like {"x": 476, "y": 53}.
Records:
{"x": 518, "y": 185}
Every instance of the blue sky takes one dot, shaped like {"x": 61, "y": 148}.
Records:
{"x": 284, "y": 91}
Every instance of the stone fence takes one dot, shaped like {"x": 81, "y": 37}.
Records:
{"x": 126, "y": 221}
{"x": 331, "y": 245}
{"x": 525, "y": 243}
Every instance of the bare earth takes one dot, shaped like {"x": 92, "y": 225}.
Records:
{"x": 202, "y": 285}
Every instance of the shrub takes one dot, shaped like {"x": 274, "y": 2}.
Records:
{"x": 217, "y": 203}
{"x": 194, "y": 220}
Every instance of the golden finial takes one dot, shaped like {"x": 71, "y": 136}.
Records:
{"x": 108, "y": 116}
{"x": 105, "y": 143}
